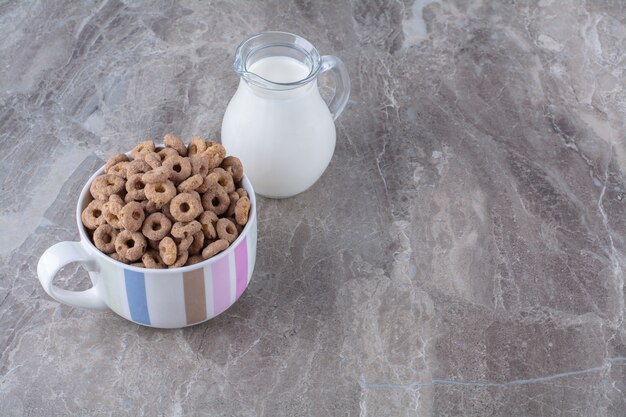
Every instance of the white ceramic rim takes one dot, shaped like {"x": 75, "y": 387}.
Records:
{"x": 161, "y": 271}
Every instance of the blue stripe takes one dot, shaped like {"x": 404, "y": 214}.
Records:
{"x": 136, "y": 293}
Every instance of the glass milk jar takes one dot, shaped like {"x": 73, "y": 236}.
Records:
{"x": 277, "y": 123}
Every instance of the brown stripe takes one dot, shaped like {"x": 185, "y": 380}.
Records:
{"x": 195, "y": 300}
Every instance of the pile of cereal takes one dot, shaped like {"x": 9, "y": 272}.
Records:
{"x": 168, "y": 207}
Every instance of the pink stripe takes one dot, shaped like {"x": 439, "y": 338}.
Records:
{"x": 221, "y": 285}
{"x": 241, "y": 265}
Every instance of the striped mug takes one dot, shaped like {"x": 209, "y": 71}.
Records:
{"x": 164, "y": 298}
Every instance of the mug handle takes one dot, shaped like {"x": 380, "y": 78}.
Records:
{"x": 342, "y": 84}
{"x": 56, "y": 257}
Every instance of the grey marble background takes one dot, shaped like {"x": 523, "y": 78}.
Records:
{"x": 463, "y": 254}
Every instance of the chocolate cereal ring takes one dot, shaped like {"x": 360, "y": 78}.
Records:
{"x": 223, "y": 178}
{"x": 190, "y": 183}
{"x": 185, "y": 207}
{"x": 152, "y": 260}
{"x": 138, "y": 166}
{"x": 196, "y": 145}
{"x": 93, "y": 215}
{"x": 135, "y": 188}
{"x": 104, "y": 238}
{"x": 208, "y": 221}
{"x": 166, "y": 210}
{"x": 227, "y": 230}
{"x": 180, "y": 168}
{"x": 130, "y": 245}
{"x": 234, "y": 197}
{"x": 114, "y": 160}
{"x": 242, "y": 210}
{"x": 216, "y": 153}
{"x": 112, "y": 213}
{"x": 118, "y": 258}
{"x": 237, "y": 225}
{"x": 183, "y": 244}
{"x": 166, "y": 153}
{"x": 160, "y": 193}
{"x": 116, "y": 198}
{"x": 233, "y": 165}
{"x": 141, "y": 149}
{"x": 192, "y": 260}
{"x": 200, "y": 164}
{"x": 149, "y": 206}
{"x": 159, "y": 174}
{"x": 176, "y": 143}
{"x": 195, "y": 195}
{"x": 204, "y": 186}
{"x": 168, "y": 250}
{"x": 198, "y": 243}
{"x": 105, "y": 185}
{"x": 153, "y": 159}
{"x": 182, "y": 230}
{"x": 132, "y": 215}
{"x": 242, "y": 192}
{"x": 216, "y": 199}
{"x": 156, "y": 226}
{"x": 214, "y": 248}
{"x": 181, "y": 259}
{"x": 119, "y": 169}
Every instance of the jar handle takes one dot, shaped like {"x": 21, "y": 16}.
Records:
{"x": 342, "y": 84}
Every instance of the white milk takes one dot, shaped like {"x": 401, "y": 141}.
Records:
{"x": 285, "y": 139}
{"x": 280, "y": 69}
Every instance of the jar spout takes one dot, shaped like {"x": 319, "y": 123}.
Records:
{"x": 276, "y": 44}
{"x": 253, "y": 78}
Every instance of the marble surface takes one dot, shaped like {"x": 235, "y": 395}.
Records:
{"x": 462, "y": 255}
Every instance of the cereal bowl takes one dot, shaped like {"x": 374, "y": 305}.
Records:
{"x": 163, "y": 298}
